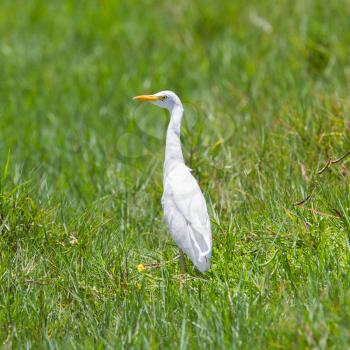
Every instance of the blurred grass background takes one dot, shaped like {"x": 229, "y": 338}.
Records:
{"x": 266, "y": 92}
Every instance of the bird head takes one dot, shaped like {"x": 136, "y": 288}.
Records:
{"x": 163, "y": 99}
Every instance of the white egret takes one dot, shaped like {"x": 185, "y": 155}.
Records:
{"x": 183, "y": 203}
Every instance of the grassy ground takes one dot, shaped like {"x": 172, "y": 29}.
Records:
{"x": 266, "y": 93}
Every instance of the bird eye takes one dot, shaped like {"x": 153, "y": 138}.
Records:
{"x": 164, "y": 98}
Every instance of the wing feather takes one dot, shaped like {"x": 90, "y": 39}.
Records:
{"x": 187, "y": 216}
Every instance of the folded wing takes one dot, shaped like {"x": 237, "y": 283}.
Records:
{"x": 187, "y": 216}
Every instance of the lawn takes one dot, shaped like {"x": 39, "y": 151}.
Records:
{"x": 265, "y": 86}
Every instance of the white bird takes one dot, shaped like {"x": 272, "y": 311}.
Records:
{"x": 183, "y": 203}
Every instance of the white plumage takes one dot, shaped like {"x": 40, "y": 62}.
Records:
{"x": 183, "y": 203}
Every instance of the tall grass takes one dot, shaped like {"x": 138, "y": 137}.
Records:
{"x": 266, "y": 92}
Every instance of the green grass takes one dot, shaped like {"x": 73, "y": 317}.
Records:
{"x": 265, "y": 86}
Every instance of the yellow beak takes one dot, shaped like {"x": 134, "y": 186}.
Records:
{"x": 146, "y": 98}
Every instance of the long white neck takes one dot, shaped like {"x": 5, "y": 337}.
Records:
{"x": 173, "y": 150}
